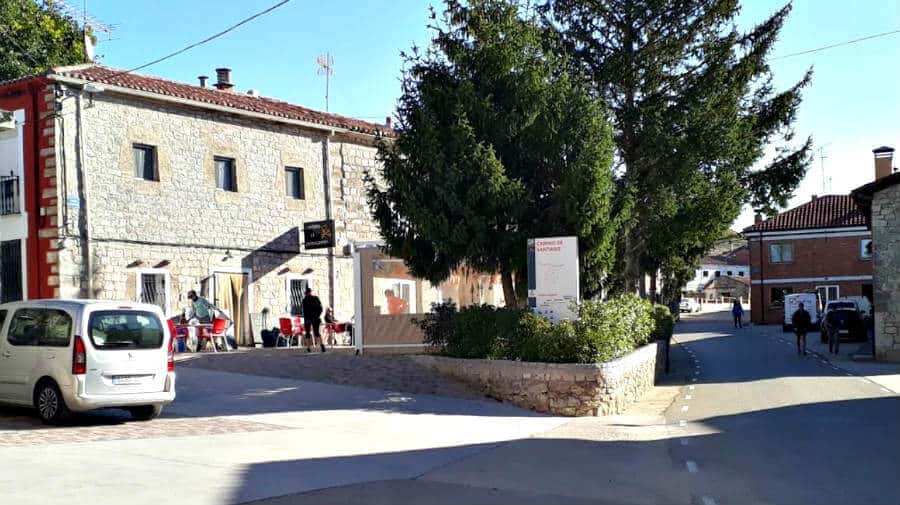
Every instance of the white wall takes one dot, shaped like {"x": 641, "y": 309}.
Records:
{"x": 699, "y": 280}
{"x": 12, "y": 161}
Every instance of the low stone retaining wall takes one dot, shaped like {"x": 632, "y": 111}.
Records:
{"x": 563, "y": 389}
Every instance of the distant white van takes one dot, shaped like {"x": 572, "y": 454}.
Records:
{"x": 792, "y": 302}
{"x": 62, "y": 356}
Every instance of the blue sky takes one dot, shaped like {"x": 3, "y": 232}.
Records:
{"x": 852, "y": 106}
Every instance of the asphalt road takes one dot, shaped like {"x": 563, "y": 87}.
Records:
{"x": 743, "y": 420}
{"x": 760, "y": 424}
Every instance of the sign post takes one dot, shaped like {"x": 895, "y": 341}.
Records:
{"x": 318, "y": 234}
{"x": 553, "y": 277}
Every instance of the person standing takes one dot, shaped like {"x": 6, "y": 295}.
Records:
{"x": 801, "y": 321}
{"x": 834, "y": 337}
{"x": 201, "y": 308}
{"x": 395, "y": 304}
{"x": 312, "y": 313}
{"x": 737, "y": 311}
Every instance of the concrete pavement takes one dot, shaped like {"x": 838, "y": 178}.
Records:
{"x": 742, "y": 419}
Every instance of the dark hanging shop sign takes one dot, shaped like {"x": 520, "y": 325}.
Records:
{"x": 318, "y": 234}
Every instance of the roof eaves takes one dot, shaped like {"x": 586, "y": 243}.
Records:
{"x": 165, "y": 97}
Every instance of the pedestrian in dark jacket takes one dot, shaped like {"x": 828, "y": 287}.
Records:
{"x": 801, "y": 321}
{"x": 312, "y": 314}
{"x": 737, "y": 312}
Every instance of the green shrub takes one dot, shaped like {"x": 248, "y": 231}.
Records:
{"x": 437, "y": 325}
{"x": 616, "y": 326}
{"x": 475, "y": 331}
{"x": 603, "y": 331}
{"x": 663, "y": 323}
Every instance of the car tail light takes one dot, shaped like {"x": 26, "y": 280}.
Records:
{"x": 170, "y": 359}
{"x": 79, "y": 357}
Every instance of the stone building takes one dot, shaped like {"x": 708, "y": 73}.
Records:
{"x": 140, "y": 188}
{"x": 880, "y": 201}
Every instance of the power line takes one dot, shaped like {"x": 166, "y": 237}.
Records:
{"x": 839, "y": 44}
{"x": 204, "y": 41}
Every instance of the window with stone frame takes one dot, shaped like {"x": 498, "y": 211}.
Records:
{"x": 153, "y": 289}
{"x": 226, "y": 174}
{"x": 145, "y": 162}
{"x": 293, "y": 182}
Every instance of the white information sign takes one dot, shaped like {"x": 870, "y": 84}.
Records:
{"x": 553, "y": 283}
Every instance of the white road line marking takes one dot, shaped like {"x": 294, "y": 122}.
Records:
{"x": 687, "y": 397}
{"x": 707, "y": 500}
{"x": 684, "y": 408}
{"x": 684, "y": 441}
{"x": 823, "y": 361}
{"x": 691, "y": 387}
{"x": 682, "y": 423}
{"x": 692, "y": 467}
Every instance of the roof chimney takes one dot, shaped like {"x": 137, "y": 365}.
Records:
{"x": 884, "y": 160}
{"x": 203, "y": 79}
{"x": 387, "y": 122}
{"x": 757, "y": 218}
{"x": 813, "y": 198}
{"x": 223, "y": 79}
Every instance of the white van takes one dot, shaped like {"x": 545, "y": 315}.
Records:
{"x": 75, "y": 355}
{"x": 792, "y": 302}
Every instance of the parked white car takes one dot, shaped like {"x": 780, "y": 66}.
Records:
{"x": 689, "y": 305}
{"x": 62, "y": 356}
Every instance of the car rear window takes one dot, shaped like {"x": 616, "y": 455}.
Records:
{"x": 125, "y": 329}
{"x": 843, "y": 305}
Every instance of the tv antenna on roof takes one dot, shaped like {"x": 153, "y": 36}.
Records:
{"x": 326, "y": 68}
{"x": 822, "y": 166}
{"x": 88, "y": 24}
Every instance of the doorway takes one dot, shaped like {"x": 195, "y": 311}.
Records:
{"x": 828, "y": 294}
{"x": 230, "y": 291}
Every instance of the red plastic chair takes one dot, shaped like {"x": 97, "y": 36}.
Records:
{"x": 288, "y": 330}
{"x": 177, "y": 335}
{"x": 219, "y": 325}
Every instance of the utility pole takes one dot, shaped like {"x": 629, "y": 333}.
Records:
{"x": 326, "y": 68}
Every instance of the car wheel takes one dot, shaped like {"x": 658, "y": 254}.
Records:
{"x": 145, "y": 412}
{"x": 50, "y": 404}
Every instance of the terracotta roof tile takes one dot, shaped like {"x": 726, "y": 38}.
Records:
{"x": 740, "y": 256}
{"x": 829, "y": 211}
{"x": 257, "y": 104}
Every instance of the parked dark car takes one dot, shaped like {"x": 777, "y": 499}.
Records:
{"x": 845, "y": 318}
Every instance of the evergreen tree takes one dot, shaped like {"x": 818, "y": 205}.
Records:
{"x": 694, "y": 111}
{"x": 35, "y": 36}
{"x": 497, "y": 142}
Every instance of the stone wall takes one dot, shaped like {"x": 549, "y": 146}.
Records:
{"x": 561, "y": 389}
{"x": 184, "y": 222}
{"x": 886, "y": 241}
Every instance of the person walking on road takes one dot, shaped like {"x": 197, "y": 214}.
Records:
{"x": 738, "y": 313}
{"x": 834, "y": 338}
{"x": 312, "y": 313}
{"x": 801, "y": 321}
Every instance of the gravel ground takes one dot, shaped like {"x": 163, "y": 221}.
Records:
{"x": 395, "y": 373}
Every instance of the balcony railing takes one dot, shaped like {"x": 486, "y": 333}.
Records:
{"x": 9, "y": 195}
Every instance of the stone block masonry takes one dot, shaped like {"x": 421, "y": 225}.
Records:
{"x": 886, "y": 284}
{"x": 563, "y": 389}
{"x": 179, "y": 223}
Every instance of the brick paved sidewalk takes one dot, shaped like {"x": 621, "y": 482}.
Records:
{"x": 387, "y": 372}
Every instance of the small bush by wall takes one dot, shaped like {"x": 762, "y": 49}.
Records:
{"x": 603, "y": 331}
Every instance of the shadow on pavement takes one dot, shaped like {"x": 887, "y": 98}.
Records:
{"x": 831, "y": 452}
